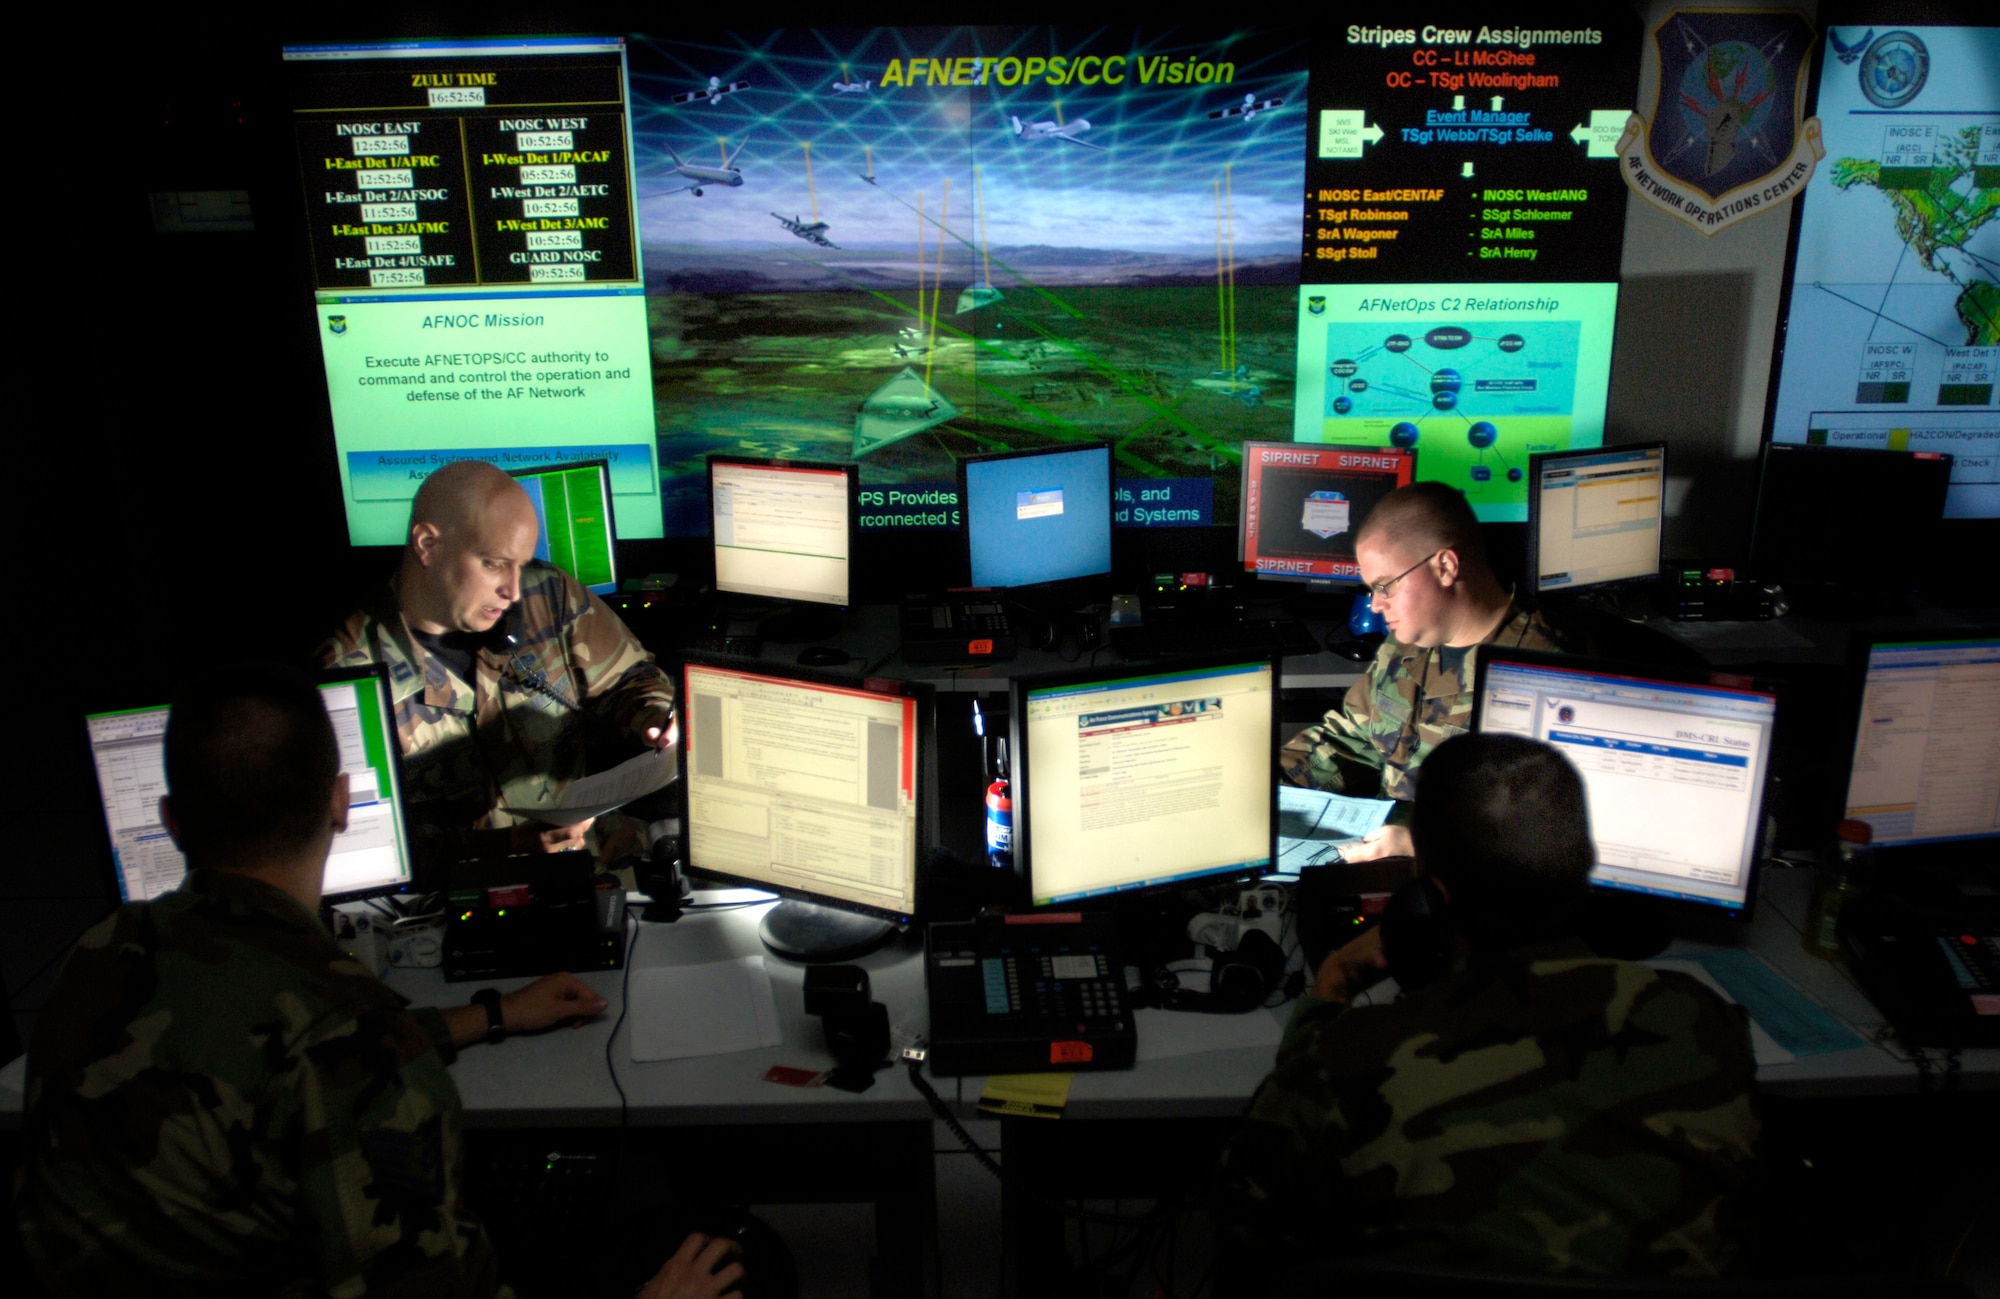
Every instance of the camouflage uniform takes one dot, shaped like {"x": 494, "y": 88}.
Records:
{"x": 1536, "y": 1110}
{"x": 510, "y": 737}
{"x": 1368, "y": 746}
{"x": 220, "y": 1103}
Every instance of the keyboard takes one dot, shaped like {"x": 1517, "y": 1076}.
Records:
{"x": 1255, "y": 635}
{"x": 531, "y": 1191}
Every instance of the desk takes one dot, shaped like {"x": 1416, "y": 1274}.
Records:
{"x": 760, "y": 1142}
{"x": 1153, "y": 1130}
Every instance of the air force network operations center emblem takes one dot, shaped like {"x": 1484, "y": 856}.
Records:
{"x": 1727, "y": 137}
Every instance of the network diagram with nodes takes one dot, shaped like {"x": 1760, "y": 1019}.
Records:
{"x": 1474, "y": 394}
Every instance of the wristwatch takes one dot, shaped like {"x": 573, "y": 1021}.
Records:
{"x": 496, "y": 1023}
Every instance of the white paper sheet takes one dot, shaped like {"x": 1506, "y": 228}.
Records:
{"x": 680, "y": 1011}
{"x": 1164, "y": 1034}
{"x": 1313, "y": 823}
{"x": 608, "y": 791}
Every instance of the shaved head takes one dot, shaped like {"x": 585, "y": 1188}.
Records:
{"x": 473, "y": 532}
{"x": 459, "y": 495}
{"x": 1422, "y": 518}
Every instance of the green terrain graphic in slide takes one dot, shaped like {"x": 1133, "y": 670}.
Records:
{"x": 1931, "y": 216}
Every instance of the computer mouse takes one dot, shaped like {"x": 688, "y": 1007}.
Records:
{"x": 823, "y": 656}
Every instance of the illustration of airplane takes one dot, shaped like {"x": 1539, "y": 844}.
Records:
{"x": 900, "y": 408}
{"x": 716, "y": 90}
{"x": 697, "y": 175}
{"x": 810, "y": 231}
{"x": 1249, "y": 108}
{"x": 1068, "y": 131}
{"x": 851, "y": 87}
{"x": 908, "y": 353}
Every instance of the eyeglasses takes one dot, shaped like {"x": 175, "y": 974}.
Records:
{"x": 1387, "y": 590}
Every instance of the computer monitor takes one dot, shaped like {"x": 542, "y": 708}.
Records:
{"x": 1926, "y": 769}
{"x": 573, "y": 503}
{"x": 1302, "y": 505}
{"x": 1037, "y": 517}
{"x": 786, "y": 530}
{"x": 1848, "y": 530}
{"x": 1673, "y": 767}
{"x": 371, "y": 858}
{"x": 810, "y": 785}
{"x": 1128, "y": 778}
{"x": 1595, "y": 517}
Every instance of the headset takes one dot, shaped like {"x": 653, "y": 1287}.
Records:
{"x": 1417, "y": 932}
{"x": 1238, "y": 980}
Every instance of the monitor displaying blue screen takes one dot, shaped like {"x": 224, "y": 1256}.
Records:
{"x": 1040, "y": 517}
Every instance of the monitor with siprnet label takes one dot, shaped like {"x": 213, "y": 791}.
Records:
{"x": 1673, "y": 768}
{"x": 1303, "y": 504}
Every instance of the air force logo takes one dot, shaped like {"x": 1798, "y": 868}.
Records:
{"x": 1726, "y": 137}
{"x": 336, "y": 324}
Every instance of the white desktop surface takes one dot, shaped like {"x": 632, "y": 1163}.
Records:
{"x": 559, "y": 1079}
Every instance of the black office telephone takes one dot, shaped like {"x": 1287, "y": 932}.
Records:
{"x": 1934, "y": 972}
{"x": 1020, "y": 994}
{"x": 957, "y": 627}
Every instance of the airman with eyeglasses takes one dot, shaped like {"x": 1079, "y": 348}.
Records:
{"x": 1423, "y": 560}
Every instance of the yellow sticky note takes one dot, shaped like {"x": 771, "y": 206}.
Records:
{"x": 1026, "y": 1095}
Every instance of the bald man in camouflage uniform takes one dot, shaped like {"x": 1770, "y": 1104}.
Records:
{"x": 495, "y": 660}
{"x": 1422, "y": 556}
{"x": 1523, "y": 1106}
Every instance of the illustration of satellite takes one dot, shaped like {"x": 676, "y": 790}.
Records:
{"x": 903, "y": 406}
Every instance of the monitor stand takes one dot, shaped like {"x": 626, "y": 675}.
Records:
{"x": 813, "y": 935}
{"x": 790, "y": 623}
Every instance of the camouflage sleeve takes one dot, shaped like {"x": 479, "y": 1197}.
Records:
{"x": 1574, "y": 1115}
{"x": 619, "y": 679}
{"x": 380, "y": 1174}
{"x": 1337, "y": 753}
{"x": 1269, "y": 1201}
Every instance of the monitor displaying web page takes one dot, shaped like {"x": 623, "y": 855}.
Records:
{"x": 1673, "y": 771}
{"x": 784, "y": 529}
{"x": 573, "y": 505}
{"x": 1927, "y": 745}
{"x": 370, "y": 858}
{"x": 1129, "y": 778}
{"x": 1302, "y": 505}
{"x": 1036, "y": 517}
{"x": 1595, "y": 517}
{"x": 804, "y": 784}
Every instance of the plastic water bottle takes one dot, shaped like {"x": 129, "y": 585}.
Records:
{"x": 1849, "y": 869}
{"x": 999, "y": 814}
